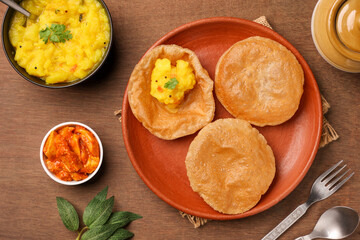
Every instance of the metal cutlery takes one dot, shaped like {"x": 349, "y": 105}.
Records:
{"x": 324, "y": 186}
{"x": 335, "y": 223}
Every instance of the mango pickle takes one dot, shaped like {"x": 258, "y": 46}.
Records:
{"x": 72, "y": 153}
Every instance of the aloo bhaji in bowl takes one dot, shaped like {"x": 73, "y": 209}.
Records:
{"x": 61, "y": 44}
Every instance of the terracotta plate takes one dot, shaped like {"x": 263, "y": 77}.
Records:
{"x": 161, "y": 163}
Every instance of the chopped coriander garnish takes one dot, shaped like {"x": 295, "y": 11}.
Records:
{"x": 57, "y": 11}
{"x": 56, "y": 33}
{"x": 171, "y": 84}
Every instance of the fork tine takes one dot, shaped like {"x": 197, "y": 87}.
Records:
{"x": 324, "y": 175}
{"x": 333, "y": 183}
{"x": 330, "y": 177}
{"x": 341, "y": 183}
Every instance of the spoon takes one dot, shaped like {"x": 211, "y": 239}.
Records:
{"x": 335, "y": 223}
{"x": 16, "y": 6}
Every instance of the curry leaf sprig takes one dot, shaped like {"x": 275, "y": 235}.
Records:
{"x": 101, "y": 223}
{"x": 56, "y": 33}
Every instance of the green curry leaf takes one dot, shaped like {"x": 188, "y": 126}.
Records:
{"x": 100, "y": 222}
{"x": 121, "y": 234}
{"x": 122, "y": 218}
{"x": 91, "y": 207}
{"x": 101, "y": 232}
{"x": 102, "y": 213}
{"x": 101, "y": 196}
{"x": 98, "y": 210}
{"x": 68, "y": 214}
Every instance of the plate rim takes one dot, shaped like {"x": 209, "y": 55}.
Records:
{"x": 306, "y": 68}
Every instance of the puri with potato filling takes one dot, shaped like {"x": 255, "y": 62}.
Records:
{"x": 170, "y": 92}
{"x": 53, "y": 61}
{"x": 230, "y": 165}
{"x": 170, "y": 83}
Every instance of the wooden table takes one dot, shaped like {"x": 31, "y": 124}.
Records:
{"x": 27, "y": 199}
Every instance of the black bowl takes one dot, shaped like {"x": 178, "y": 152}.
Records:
{"x": 10, "y": 53}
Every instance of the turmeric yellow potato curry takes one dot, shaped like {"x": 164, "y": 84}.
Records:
{"x": 72, "y": 153}
{"x": 62, "y": 41}
{"x": 170, "y": 83}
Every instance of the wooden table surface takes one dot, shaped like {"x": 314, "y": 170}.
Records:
{"x": 27, "y": 195}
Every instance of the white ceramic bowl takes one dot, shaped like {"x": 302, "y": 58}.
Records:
{"x": 42, "y": 155}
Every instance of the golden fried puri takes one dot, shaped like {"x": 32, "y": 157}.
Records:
{"x": 230, "y": 165}
{"x": 197, "y": 108}
{"x": 259, "y": 80}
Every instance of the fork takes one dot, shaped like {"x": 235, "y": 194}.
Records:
{"x": 324, "y": 186}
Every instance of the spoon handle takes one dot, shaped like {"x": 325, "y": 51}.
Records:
{"x": 16, "y": 6}
{"x": 287, "y": 222}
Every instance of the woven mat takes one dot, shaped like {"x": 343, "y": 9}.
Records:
{"x": 328, "y": 135}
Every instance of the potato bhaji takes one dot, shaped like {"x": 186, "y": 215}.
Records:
{"x": 62, "y": 41}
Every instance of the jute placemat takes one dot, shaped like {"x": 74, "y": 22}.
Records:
{"x": 328, "y": 135}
